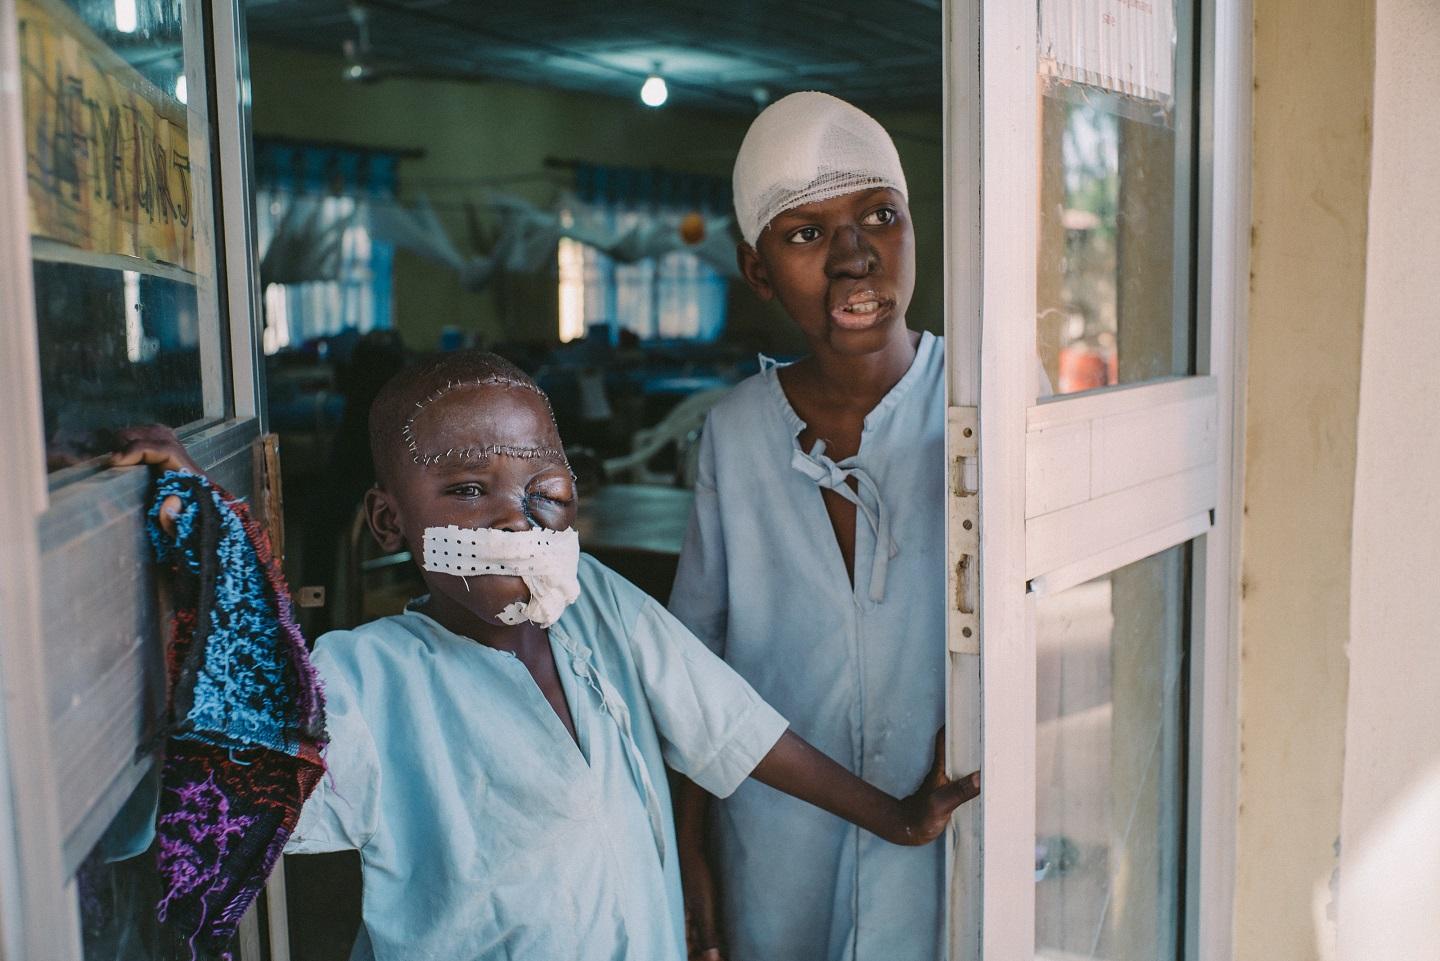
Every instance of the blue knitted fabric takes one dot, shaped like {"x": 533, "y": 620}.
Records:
{"x": 238, "y": 687}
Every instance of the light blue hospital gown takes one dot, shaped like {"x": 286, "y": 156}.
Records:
{"x": 484, "y": 831}
{"x": 859, "y": 672}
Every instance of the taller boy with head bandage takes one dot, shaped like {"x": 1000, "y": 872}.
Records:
{"x": 497, "y": 752}
{"x": 815, "y": 559}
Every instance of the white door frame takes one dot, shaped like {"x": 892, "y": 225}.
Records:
{"x": 1189, "y": 491}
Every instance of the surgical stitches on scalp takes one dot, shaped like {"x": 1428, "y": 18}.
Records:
{"x": 397, "y": 410}
{"x": 407, "y": 431}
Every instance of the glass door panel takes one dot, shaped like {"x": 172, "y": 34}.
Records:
{"x": 1112, "y": 479}
{"x": 1112, "y": 283}
{"x": 1110, "y": 736}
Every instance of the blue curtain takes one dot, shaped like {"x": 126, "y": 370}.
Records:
{"x": 323, "y": 273}
{"x": 672, "y": 297}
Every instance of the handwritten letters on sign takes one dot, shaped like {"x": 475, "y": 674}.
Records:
{"x": 107, "y": 153}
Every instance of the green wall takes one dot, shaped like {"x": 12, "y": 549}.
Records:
{"x": 494, "y": 129}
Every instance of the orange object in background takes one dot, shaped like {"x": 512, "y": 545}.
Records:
{"x": 1083, "y": 367}
{"x": 692, "y": 228}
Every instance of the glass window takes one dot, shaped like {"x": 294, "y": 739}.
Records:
{"x": 323, "y": 271}
{"x": 118, "y": 883}
{"x": 119, "y": 887}
{"x": 118, "y": 158}
{"x": 1110, "y": 756}
{"x": 1113, "y": 287}
{"x": 674, "y": 295}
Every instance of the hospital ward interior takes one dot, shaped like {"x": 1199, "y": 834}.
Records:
{"x": 1173, "y": 263}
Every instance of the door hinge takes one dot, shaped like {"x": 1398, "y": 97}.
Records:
{"x": 962, "y": 526}
{"x": 268, "y": 506}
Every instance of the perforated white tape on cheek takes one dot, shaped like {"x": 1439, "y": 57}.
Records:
{"x": 547, "y": 561}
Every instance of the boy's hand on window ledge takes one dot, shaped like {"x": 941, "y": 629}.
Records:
{"x": 157, "y": 446}
{"x": 153, "y": 444}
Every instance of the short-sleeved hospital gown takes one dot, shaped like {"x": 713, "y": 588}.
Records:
{"x": 858, "y": 671}
{"x": 484, "y": 831}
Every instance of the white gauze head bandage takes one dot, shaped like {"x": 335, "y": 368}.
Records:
{"x": 805, "y": 148}
{"x": 547, "y": 561}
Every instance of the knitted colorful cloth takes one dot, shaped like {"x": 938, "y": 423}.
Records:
{"x": 247, "y": 716}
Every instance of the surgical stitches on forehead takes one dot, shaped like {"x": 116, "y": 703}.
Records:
{"x": 473, "y": 453}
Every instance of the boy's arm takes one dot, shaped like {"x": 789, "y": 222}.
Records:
{"x": 698, "y": 599}
{"x": 717, "y": 731}
{"x": 702, "y": 922}
{"x": 343, "y": 812}
{"x": 798, "y": 769}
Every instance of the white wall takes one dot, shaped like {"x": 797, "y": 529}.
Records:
{"x": 1389, "y": 902}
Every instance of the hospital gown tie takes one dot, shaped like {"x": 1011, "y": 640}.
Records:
{"x": 826, "y": 473}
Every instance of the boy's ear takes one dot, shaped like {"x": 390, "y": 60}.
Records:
{"x": 752, "y": 268}
{"x": 384, "y": 519}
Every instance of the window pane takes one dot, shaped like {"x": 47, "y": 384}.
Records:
{"x": 1112, "y": 288}
{"x": 119, "y": 887}
{"x": 323, "y": 273}
{"x": 1110, "y": 755}
{"x": 121, "y": 218}
{"x": 671, "y": 294}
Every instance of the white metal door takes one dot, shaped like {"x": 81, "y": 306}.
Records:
{"x": 1095, "y": 269}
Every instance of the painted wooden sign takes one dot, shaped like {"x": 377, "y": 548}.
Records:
{"x": 107, "y": 152}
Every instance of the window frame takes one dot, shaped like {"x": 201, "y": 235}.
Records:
{"x": 96, "y": 510}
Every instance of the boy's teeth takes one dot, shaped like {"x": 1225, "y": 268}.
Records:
{"x": 864, "y": 307}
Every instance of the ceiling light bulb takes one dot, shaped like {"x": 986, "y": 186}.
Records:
{"x": 126, "y": 19}
{"x": 654, "y": 93}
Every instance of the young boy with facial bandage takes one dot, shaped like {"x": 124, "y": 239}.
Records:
{"x": 497, "y": 752}
{"x": 815, "y": 559}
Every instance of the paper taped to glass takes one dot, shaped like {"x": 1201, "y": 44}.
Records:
{"x": 1123, "y": 46}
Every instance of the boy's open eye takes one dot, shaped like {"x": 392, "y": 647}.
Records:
{"x": 880, "y": 217}
{"x": 803, "y": 235}
{"x": 467, "y": 489}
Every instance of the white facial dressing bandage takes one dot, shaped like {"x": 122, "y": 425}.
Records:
{"x": 547, "y": 561}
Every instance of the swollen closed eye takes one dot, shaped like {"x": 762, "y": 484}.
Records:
{"x": 547, "y": 561}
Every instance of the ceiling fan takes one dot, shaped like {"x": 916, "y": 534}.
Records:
{"x": 361, "y": 63}
{"x": 359, "y": 57}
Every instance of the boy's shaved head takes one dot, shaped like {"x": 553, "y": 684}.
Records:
{"x": 408, "y": 393}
